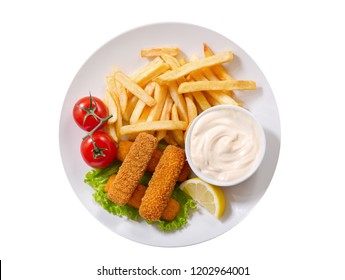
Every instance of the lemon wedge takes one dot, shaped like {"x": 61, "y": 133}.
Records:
{"x": 209, "y": 196}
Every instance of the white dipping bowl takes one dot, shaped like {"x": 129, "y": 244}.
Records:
{"x": 231, "y": 114}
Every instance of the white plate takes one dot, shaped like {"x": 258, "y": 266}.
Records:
{"x": 124, "y": 52}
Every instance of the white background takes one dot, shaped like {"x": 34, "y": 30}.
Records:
{"x": 295, "y": 232}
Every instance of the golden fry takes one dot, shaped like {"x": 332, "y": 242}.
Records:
{"x": 210, "y": 98}
{"x": 182, "y": 61}
{"x": 216, "y": 85}
{"x": 152, "y": 73}
{"x": 144, "y": 114}
{"x": 139, "y": 107}
{"x": 219, "y": 70}
{"x": 191, "y": 107}
{"x": 142, "y": 71}
{"x": 111, "y": 130}
{"x": 160, "y": 95}
{"x": 152, "y": 52}
{"x": 170, "y": 139}
{"x": 132, "y": 102}
{"x": 201, "y": 100}
{"x": 110, "y": 103}
{"x": 118, "y": 123}
{"x": 174, "y": 64}
{"x": 153, "y": 126}
{"x": 165, "y": 116}
{"x": 221, "y": 96}
{"x": 178, "y": 134}
{"x": 178, "y": 100}
{"x": 171, "y": 61}
{"x": 193, "y": 66}
{"x": 134, "y": 88}
{"x": 122, "y": 94}
{"x": 110, "y": 81}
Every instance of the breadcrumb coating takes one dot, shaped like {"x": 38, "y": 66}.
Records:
{"x": 162, "y": 183}
{"x": 132, "y": 168}
{"x": 124, "y": 147}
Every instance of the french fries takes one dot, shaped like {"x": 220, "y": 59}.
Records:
{"x": 219, "y": 70}
{"x": 166, "y": 112}
{"x": 118, "y": 124}
{"x": 165, "y": 95}
{"x": 134, "y": 88}
{"x": 112, "y": 108}
{"x": 193, "y": 66}
{"x": 178, "y": 134}
{"x": 122, "y": 95}
{"x": 145, "y": 70}
{"x": 153, "y": 52}
{"x": 151, "y": 73}
{"x": 191, "y": 107}
{"x": 216, "y": 85}
{"x": 153, "y": 126}
{"x": 201, "y": 100}
{"x": 179, "y": 100}
{"x": 133, "y": 100}
{"x": 111, "y": 130}
{"x": 160, "y": 94}
{"x": 140, "y": 105}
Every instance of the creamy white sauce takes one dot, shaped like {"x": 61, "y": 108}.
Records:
{"x": 224, "y": 144}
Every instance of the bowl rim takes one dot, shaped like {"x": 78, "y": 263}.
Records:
{"x": 251, "y": 171}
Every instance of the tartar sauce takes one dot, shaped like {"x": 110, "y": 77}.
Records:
{"x": 224, "y": 144}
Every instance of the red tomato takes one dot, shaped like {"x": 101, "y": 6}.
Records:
{"x": 98, "y": 151}
{"x": 88, "y": 117}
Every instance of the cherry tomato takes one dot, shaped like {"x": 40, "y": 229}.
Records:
{"x": 88, "y": 117}
{"x": 99, "y": 150}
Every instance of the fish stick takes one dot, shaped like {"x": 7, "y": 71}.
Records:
{"x": 109, "y": 182}
{"x": 125, "y": 145}
{"x": 135, "y": 199}
{"x": 162, "y": 183}
{"x": 170, "y": 212}
{"x": 132, "y": 168}
{"x": 156, "y": 156}
{"x": 184, "y": 173}
{"x": 123, "y": 149}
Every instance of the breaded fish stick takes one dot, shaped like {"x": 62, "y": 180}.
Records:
{"x": 184, "y": 173}
{"x": 123, "y": 149}
{"x": 125, "y": 145}
{"x": 162, "y": 183}
{"x": 137, "y": 195}
{"x": 132, "y": 168}
{"x": 170, "y": 212}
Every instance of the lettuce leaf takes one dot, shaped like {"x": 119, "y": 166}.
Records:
{"x": 97, "y": 179}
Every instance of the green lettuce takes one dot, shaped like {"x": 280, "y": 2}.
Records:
{"x": 97, "y": 179}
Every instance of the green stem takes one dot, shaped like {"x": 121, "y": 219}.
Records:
{"x": 97, "y": 151}
{"x": 102, "y": 121}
